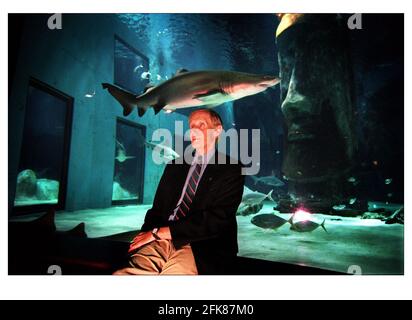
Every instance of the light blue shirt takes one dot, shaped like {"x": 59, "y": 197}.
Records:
{"x": 204, "y": 160}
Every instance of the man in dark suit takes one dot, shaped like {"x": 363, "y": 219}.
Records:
{"x": 192, "y": 228}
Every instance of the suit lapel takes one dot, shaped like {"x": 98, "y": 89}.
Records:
{"x": 205, "y": 181}
{"x": 180, "y": 179}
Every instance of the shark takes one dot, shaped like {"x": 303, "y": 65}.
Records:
{"x": 188, "y": 89}
{"x": 163, "y": 149}
{"x": 121, "y": 153}
{"x": 268, "y": 180}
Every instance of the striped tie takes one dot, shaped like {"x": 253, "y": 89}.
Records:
{"x": 187, "y": 200}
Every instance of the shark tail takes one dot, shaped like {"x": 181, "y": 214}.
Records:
{"x": 323, "y": 226}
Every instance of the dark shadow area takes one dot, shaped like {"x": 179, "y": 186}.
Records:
{"x": 36, "y": 247}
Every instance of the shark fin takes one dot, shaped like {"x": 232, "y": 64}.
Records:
{"x": 141, "y": 111}
{"x": 211, "y": 106}
{"x": 157, "y": 107}
{"x": 126, "y": 109}
{"x": 180, "y": 71}
{"x": 148, "y": 88}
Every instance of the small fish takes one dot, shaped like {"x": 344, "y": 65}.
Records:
{"x": 352, "y": 201}
{"x": 268, "y": 221}
{"x": 137, "y": 68}
{"x": 121, "y": 153}
{"x": 277, "y": 152}
{"x": 339, "y": 207}
{"x": 163, "y": 150}
{"x": 352, "y": 179}
{"x": 158, "y": 77}
{"x": 268, "y": 180}
{"x": 90, "y": 95}
{"x": 306, "y": 225}
{"x": 145, "y": 75}
{"x": 121, "y": 157}
{"x": 255, "y": 198}
{"x": 388, "y": 181}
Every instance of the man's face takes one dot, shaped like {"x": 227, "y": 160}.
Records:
{"x": 203, "y": 133}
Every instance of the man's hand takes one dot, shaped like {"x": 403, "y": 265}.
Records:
{"x": 140, "y": 240}
{"x": 146, "y": 237}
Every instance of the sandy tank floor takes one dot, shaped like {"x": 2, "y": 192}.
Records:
{"x": 369, "y": 246}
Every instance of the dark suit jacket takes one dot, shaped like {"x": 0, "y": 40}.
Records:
{"x": 210, "y": 226}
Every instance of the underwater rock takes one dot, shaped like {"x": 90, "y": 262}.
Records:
{"x": 347, "y": 212}
{"x": 47, "y": 189}
{"x": 378, "y": 213}
{"x": 396, "y": 217}
{"x": 26, "y": 184}
{"x": 353, "y": 208}
{"x": 373, "y": 215}
{"x": 320, "y": 142}
{"x": 384, "y": 214}
{"x": 119, "y": 193}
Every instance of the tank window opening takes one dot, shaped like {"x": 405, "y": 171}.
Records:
{"x": 128, "y": 178}
{"x": 42, "y": 171}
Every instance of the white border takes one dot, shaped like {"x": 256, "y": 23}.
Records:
{"x": 251, "y": 287}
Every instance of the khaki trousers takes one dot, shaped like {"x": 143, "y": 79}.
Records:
{"x": 161, "y": 257}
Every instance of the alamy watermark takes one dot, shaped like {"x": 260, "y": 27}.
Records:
{"x": 240, "y": 145}
{"x": 54, "y": 270}
{"x": 355, "y": 21}
{"x": 355, "y": 270}
{"x": 55, "y": 22}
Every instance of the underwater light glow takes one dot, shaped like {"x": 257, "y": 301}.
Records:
{"x": 302, "y": 215}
